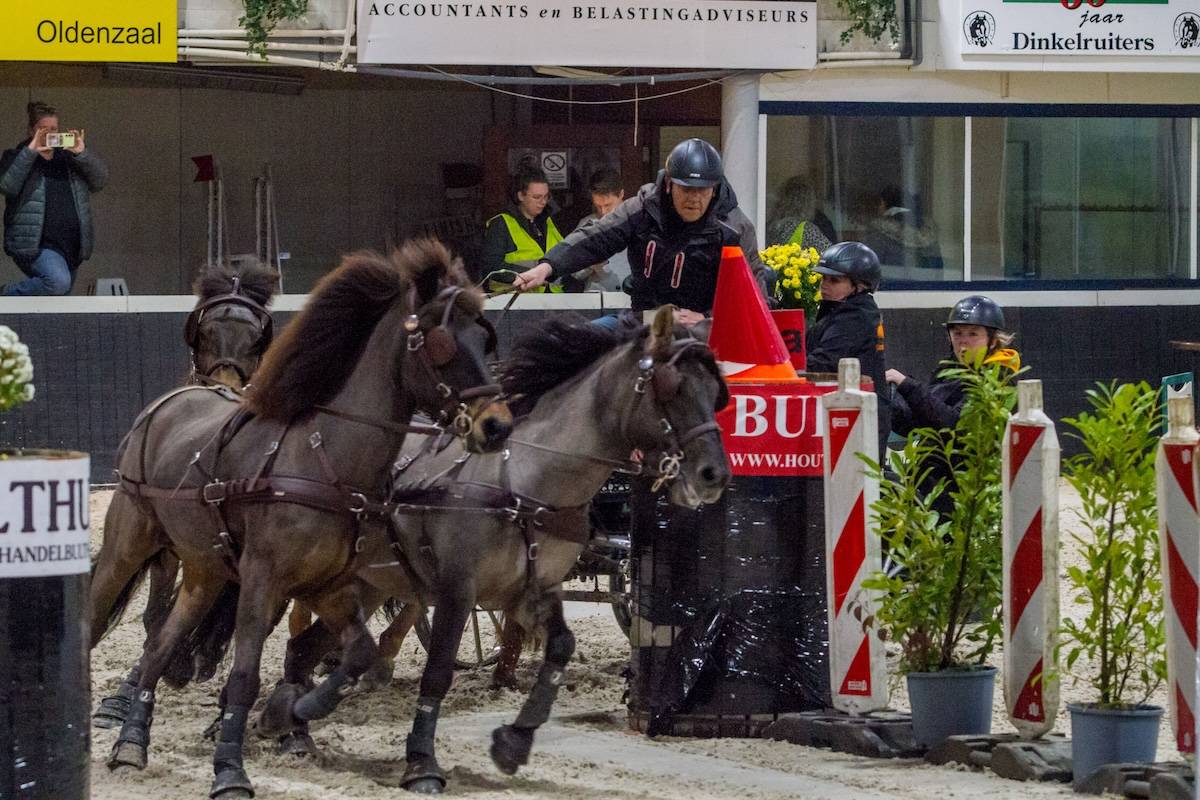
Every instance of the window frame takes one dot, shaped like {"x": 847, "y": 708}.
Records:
{"x": 968, "y": 111}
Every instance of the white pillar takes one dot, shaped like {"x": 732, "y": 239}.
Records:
{"x": 739, "y": 139}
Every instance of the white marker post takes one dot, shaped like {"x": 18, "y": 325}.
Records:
{"x": 1030, "y": 535}
{"x": 1179, "y": 542}
{"x": 857, "y": 665}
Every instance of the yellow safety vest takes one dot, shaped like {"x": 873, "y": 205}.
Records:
{"x": 527, "y": 246}
{"x": 528, "y": 252}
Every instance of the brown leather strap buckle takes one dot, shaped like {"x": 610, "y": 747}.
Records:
{"x": 213, "y": 493}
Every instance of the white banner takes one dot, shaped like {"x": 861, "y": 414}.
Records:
{"x": 44, "y": 516}
{"x": 1106, "y": 29}
{"x": 719, "y": 34}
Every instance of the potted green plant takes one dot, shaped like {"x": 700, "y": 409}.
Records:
{"x": 940, "y": 593}
{"x": 1119, "y": 584}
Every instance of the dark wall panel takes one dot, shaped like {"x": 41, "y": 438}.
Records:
{"x": 94, "y": 372}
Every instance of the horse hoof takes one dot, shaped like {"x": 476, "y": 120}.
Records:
{"x": 379, "y": 676}
{"x": 510, "y": 748}
{"x": 505, "y": 680}
{"x": 127, "y": 754}
{"x": 276, "y": 720}
{"x": 426, "y": 786}
{"x": 297, "y": 743}
{"x": 232, "y": 784}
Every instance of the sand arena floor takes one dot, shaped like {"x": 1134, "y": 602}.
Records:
{"x": 586, "y": 752}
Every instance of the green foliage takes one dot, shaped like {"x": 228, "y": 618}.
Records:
{"x": 875, "y": 18}
{"x": 946, "y": 569}
{"x": 262, "y": 16}
{"x": 1121, "y": 582}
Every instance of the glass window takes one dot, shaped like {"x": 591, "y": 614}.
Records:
{"x": 1076, "y": 198}
{"x": 895, "y": 183}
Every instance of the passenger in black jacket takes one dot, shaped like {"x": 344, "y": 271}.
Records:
{"x": 849, "y": 324}
{"x": 975, "y": 330}
{"x": 673, "y": 230}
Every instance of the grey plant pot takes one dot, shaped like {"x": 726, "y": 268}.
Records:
{"x": 1102, "y": 736}
{"x": 950, "y": 703}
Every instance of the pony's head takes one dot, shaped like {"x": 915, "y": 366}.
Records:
{"x": 677, "y": 394}
{"x": 414, "y": 316}
{"x": 230, "y": 327}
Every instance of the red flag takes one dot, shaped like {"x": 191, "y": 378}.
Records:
{"x": 204, "y": 169}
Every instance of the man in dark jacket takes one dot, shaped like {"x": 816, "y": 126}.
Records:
{"x": 47, "y": 183}
{"x": 673, "y": 229}
{"x": 849, "y": 324}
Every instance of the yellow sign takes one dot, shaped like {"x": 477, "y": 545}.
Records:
{"x": 87, "y": 30}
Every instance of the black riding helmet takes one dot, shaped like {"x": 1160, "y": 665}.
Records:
{"x": 695, "y": 162}
{"x": 977, "y": 310}
{"x": 854, "y": 260}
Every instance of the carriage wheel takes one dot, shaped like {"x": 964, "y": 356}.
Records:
{"x": 480, "y": 646}
{"x": 623, "y": 607}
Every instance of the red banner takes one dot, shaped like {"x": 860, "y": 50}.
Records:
{"x": 774, "y": 429}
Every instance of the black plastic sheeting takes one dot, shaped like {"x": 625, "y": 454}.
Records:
{"x": 743, "y": 581}
{"x": 45, "y": 696}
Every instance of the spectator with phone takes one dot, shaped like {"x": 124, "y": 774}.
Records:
{"x": 47, "y": 181}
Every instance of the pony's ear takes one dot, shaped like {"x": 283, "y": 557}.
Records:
{"x": 428, "y": 283}
{"x": 662, "y": 331}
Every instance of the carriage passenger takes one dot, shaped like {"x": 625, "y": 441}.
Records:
{"x": 674, "y": 230}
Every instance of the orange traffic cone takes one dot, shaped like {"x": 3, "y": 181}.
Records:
{"x": 745, "y": 340}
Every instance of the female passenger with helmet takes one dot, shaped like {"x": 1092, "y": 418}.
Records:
{"x": 977, "y": 335}
{"x": 975, "y": 329}
{"x": 849, "y": 324}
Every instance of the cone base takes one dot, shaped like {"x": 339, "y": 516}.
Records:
{"x": 766, "y": 373}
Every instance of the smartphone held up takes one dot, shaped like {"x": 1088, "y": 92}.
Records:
{"x": 66, "y": 140}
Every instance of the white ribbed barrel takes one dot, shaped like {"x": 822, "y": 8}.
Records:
{"x": 1030, "y": 542}
{"x": 857, "y": 666}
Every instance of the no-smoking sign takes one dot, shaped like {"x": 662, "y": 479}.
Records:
{"x": 554, "y": 164}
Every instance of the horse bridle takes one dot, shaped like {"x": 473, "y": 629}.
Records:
{"x": 437, "y": 347}
{"x": 191, "y": 329}
{"x": 664, "y": 381}
{"x": 661, "y": 382}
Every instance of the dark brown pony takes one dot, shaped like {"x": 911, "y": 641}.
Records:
{"x": 230, "y": 328}
{"x": 503, "y": 530}
{"x": 281, "y": 492}
{"x": 227, "y": 333}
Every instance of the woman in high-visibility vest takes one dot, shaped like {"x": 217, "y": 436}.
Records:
{"x": 519, "y": 238}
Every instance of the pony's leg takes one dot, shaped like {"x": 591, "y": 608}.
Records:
{"x": 380, "y": 674}
{"x": 163, "y": 570}
{"x": 511, "y": 743}
{"x": 452, "y": 607}
{"x": 196, "y": 597}
{"x": 259, "y": 606}
{"x": 299, "y": 619}
{"x": 512, "y": 638}
{"x": 341, "y": 611}
{"x": 276, "y": 720}
{"x": 131, "y": 538}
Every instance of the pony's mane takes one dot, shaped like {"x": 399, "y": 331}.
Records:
{"x": 308, "y": 364}
{"x": 259, "y": 282}
{"x": 555, "y": 351}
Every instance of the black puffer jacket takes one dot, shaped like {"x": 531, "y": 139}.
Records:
{"x": 669, "y": 261}
{"x": 24, "y": 189}
{"x": 853, "y": 328}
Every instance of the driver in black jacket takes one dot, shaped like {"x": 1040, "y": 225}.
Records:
{"x": 673, "y": 229}
{"x": 849, "y": 324}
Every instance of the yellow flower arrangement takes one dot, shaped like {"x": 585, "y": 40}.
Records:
{"x": 796, "y": 284}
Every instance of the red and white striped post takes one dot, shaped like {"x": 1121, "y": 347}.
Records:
{"x": 857, "y": 665}
{"x": 1179, "y": 542}
{"x": 1030, "y": 543}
